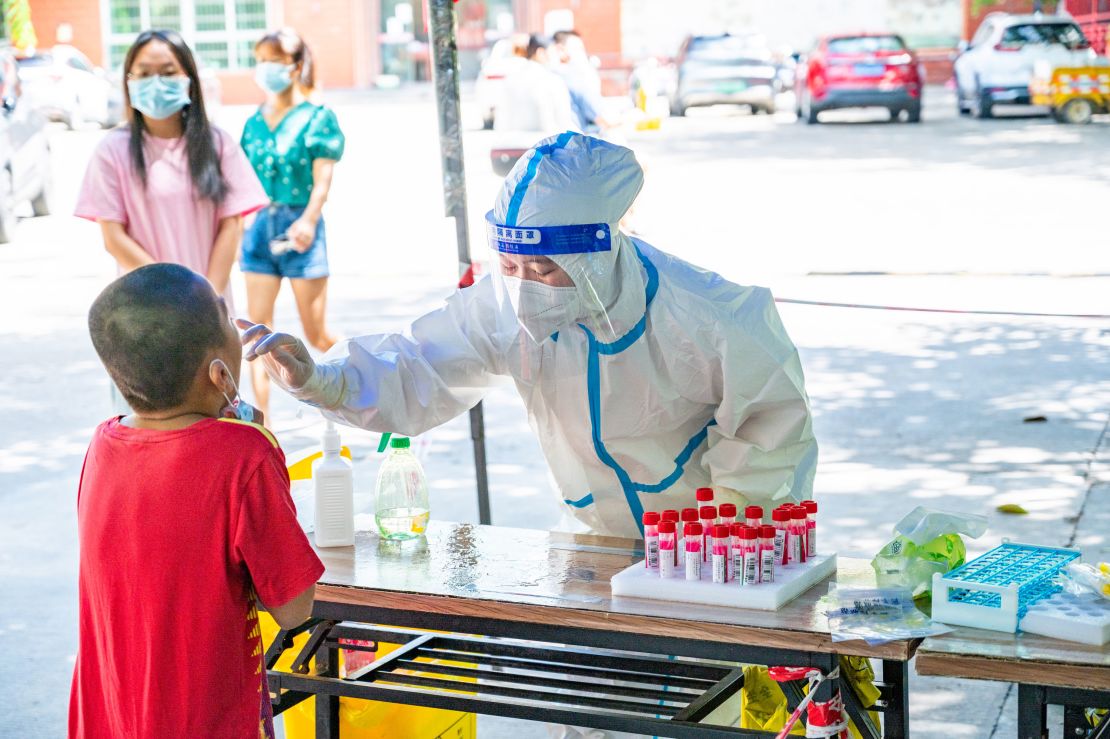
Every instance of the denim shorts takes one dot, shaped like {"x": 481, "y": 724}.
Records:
{"x": 270, "y": 225}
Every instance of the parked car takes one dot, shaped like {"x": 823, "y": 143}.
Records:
{"x": 65, "y": 85}
{"x": 997, "y": 65}
{"x": 724, "y": 69}
{"x": 861, "y": 70}
{"x": 24, "y": 151}
{"x": 489, "y": 87}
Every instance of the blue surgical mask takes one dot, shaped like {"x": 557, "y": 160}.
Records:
{"x": 158, "y": 97}
{"x": 274, "y": 77}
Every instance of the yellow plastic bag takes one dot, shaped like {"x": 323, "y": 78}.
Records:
{"x": 362, "y": 719}
{"x": 764, "y": 703}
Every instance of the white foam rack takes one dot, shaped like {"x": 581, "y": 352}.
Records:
{"x": 637, "y": 581}
{"x": 1069, "y": 617}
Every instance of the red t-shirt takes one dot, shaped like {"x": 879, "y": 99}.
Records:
{"x": 178, "y": 531}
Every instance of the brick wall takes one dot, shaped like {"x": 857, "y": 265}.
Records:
{"x": 82, "y": 15}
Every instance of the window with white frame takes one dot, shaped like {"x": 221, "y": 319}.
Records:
{"x": 221, "y": 33}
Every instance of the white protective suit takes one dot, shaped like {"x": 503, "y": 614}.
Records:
{"x": 670, "y": 378}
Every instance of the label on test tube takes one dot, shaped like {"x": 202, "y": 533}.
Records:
{"x": 798, "y": 521}
{"x": 811, "y": 526}
{"x": 766, "y": 553}
{"x": 721, "y": 547}
{"x": 693, "y": 551}
{"x": 667, "y": 559}
{"x": 651, "y": 540}
{"x": 751, "y": 556}
{"x": 781, "y": 519}
{"x": 736, "y": 532}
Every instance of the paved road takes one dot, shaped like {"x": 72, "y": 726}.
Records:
{"x": 910, "y": 408}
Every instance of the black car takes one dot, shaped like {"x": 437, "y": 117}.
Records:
{"x": 24, "y": 152}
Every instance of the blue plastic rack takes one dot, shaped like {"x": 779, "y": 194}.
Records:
{"x": 995, "y": 590}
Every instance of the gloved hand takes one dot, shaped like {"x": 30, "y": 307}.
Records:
{"x": 285, "y": 357}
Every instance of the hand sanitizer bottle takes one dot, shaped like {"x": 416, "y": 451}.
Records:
{"x": 335, "y": 494}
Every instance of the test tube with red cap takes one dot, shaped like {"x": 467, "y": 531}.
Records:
{"x": 688, "y": 515}
{"x": 736, "y": 532}
{"x": 797, "y": 534}
{"x": 726, "y": 514}
{"x": 672, "y": 516}
{"x": 651, "y": 540}
{"x": 751, "y": 555}
{"x": 721, "y": 547}
{"x": 753, "y": 515}
{"x": 708, "y": 516}
{"x": 781, "y": 521}
{"x": 811, "y": 527}
{"x": 766, "y": 553}
{"x": 704, "y": 496}
{"x": 667, "y": 559}
{"x": 692, "y": 534}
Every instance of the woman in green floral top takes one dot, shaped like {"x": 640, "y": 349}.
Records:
{"x": 293, "y": 145}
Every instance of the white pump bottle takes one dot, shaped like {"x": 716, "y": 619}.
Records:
{"x": 335, "y": 494}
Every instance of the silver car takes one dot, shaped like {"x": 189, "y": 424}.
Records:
{"x": 725, "y": 69}
{"x": 66, "y": 87}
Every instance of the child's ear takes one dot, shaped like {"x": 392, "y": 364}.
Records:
{"x": 218, "y": 374}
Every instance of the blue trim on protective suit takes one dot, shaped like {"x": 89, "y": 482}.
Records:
{"x": 585, "y": 500}
{"x": 593, "y": 384}
{"x": 530, "y": 174}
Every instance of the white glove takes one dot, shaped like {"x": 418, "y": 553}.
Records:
{"x": 290, "y": 366}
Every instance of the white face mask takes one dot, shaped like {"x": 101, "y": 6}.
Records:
{"x": 542, "y": 309}
{"x": 243, "y": 411}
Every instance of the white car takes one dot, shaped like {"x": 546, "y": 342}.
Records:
{"x": 489, "y": 87}
{"x": 63, "y": 84}
{"x": 998, "y": 64}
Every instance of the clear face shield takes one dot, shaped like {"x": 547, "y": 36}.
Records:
{"x": 554, "y": 277}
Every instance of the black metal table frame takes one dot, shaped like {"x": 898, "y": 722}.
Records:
{"x": 1033, "y": 701}
{"x": 554, "y": 650}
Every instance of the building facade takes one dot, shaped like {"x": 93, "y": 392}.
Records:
{"x": 356, "y": 43}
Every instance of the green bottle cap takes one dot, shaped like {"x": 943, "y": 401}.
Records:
{"x": 399, "y": 442}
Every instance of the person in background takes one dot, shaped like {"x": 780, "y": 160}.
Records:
{"x": 537, "y": 100}
{"x": 293, "y": 145}
{"x": 169, "y": 186}
{"x": 583, "y": 82}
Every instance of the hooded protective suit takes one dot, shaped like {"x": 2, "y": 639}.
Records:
{"x": 658, "y": 378}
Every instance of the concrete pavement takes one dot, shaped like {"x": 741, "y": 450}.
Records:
{"x": 909, "y": 408}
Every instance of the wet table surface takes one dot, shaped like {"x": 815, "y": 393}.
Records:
{"x": 534, "y": 576}
{"x": 1016, "y": 658}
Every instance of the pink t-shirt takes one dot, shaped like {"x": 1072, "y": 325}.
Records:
{"x": 165, "y": 217}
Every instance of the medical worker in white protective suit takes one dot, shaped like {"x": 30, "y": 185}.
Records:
{"x": 644, "y": 377}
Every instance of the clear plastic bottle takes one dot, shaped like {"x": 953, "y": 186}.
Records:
{"x": 401, "y": 494}
{"x": 335, "y": 494}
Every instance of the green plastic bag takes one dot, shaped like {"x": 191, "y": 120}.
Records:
{"x": 926, "y": 542}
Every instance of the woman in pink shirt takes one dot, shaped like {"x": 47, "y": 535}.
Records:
{"x": 169, "y": 186}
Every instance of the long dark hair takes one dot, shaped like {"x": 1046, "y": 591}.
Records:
{"x": 204, "y": 159}
{"x": 290, "y": 43}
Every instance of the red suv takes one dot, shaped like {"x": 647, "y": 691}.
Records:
{"x": 859, "y": 71}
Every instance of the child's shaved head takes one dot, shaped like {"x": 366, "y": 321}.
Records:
{"x": 153, "y": 328}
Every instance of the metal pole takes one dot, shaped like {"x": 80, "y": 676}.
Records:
{"x": 445, "y": 73}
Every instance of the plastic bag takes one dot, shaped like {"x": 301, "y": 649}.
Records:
{"x": 876, "y": 615}
{"x": 1079, "y": 578}
{"x": 927, "y": 541}
{"x": 764, "y": 704}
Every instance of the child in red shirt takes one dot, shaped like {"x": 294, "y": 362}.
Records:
{"x": 185, "y": 524}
